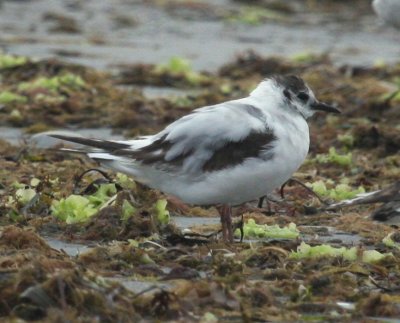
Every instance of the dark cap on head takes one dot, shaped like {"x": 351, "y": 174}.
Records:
{"x": 291, "y": 82}
{"x": 294, "y": 85}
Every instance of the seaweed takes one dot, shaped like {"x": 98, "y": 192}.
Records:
{"x": 138, "y": 261}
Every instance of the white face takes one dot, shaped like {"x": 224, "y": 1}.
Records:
{"x": 301, "y": 101}
{"x": 291, "y": 93}
{"x": 299, "y": 97}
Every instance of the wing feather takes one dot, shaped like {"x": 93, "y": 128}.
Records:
{"x": 209, "y": 139}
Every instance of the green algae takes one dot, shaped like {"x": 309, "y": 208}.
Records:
{"x": 253, "y": 230}
{"x": 305, "y": 251}
{"x": 127, "y": 211}
{"x": 7, "y": 97}
{"x": 8, "y": 61}
{"x": 78, "y": 208}
{"x": 73, "y": 209}
{"x": 337, "y": 192}
{"x": 162, "y": 214}
{"x": 333, "y": 157}
{"x": 178, "y": 66}
{"x": 54, "y": 84}
{"x": 24, "y": 195}
{"x": 390, "y": 242}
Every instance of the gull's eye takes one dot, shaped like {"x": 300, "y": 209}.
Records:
{"x": 303, "y": 96}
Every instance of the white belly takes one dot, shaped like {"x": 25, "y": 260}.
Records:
{"x": 247, "y": 181}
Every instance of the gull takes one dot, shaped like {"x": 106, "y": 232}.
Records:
{"x": 388, "y": 11}
{"x": 224, "y": 154}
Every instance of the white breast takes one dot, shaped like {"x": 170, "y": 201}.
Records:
{"x": 254, "y": 177}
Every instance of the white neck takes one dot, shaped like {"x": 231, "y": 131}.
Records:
{"x": 269, "y": 97}
{"x": 265, "y": 88}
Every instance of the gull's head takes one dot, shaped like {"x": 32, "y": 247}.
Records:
{"x": 292, "y": 93}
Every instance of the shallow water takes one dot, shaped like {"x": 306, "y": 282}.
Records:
{"x": 70, "y": 248}
{"x": 152, "y": 34}
{"x": 347, "y": 239}
{"x": 141, "y": 286}
{"x": 331, "y": 235}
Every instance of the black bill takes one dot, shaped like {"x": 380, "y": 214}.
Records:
{"x": 320, "y": 106}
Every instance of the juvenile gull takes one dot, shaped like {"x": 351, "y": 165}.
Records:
{"x": 225, "y": 154}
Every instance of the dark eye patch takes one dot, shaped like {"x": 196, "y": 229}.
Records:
{"x": 303, "y": 96}
{"x": 286, "y": 93}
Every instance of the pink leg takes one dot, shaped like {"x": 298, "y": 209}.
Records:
{"x": 225, "y": 211}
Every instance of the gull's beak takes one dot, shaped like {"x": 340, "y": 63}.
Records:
{"x": 321, "y": 106}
